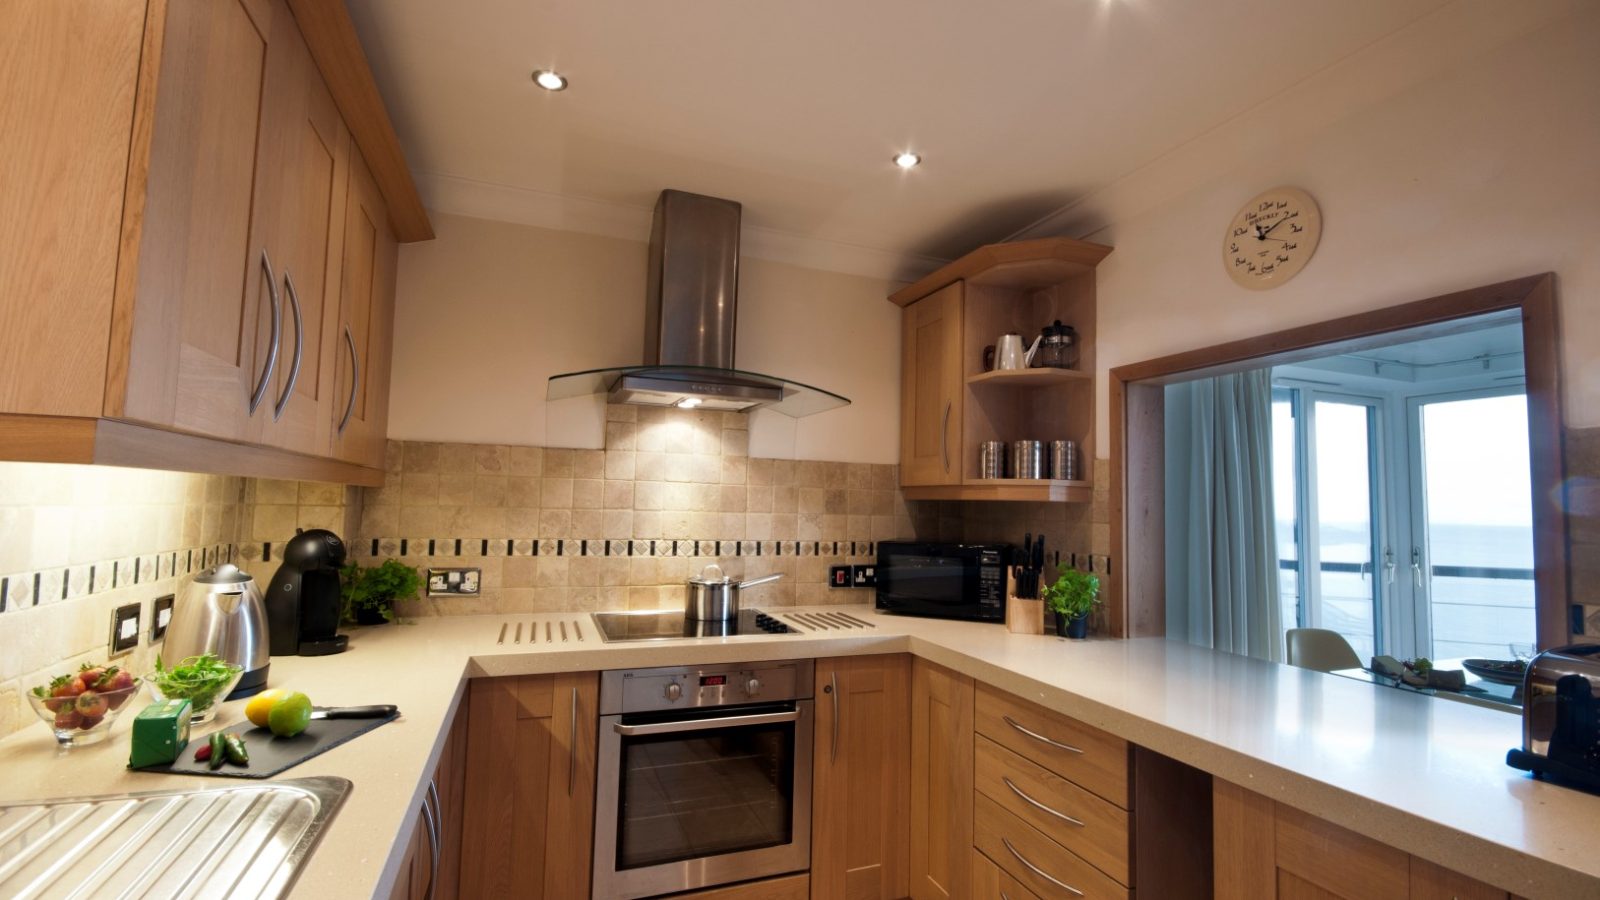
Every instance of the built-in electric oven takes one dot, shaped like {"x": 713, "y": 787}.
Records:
{"x": 704, "y": 776}
{"x": 955, "y": 581}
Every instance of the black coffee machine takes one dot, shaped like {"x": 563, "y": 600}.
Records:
{"x": 304, "y": 600}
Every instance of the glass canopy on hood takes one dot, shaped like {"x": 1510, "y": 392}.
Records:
{"x": 695, "y": 387}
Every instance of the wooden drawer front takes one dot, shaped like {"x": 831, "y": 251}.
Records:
{"x": 1085, "y": 756}
{"x": 1089, "y": 826}
{"x": 787, "y": 887}
{"x": 990, "y": 882}
{"x": 1040, "y": 864}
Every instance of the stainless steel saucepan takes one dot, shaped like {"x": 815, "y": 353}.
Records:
{"x": 714, "y": 597}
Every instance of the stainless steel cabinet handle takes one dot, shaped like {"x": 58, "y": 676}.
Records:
{"x": 1039, "y": 737}
{"x": 1039, "y": 806}
{"x": 355, "y": 380}
{"x": 705, "y": 724}
{"x": 1040, "y": 872}
{"x": 299, "y": 347}
{"x": 432, "y": 823}
{"x": 433, "y": 794}
{"x": 833, "y": 688}
{"x": 944, "y": 437}
{"x": 572, "y": 744}
{"x": 277, "y": 334}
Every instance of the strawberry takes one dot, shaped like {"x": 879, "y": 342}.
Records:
{"x": 91, "y": 705}
{"x": 68, "y": 718}
{"x": 89, "y": 722}
{"x": 57, "y": 688}
{"x": 117, "y": 687}
{"x": 90, "y": 675}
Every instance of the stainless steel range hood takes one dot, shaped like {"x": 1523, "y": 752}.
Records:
{"x": 691, "y": 317}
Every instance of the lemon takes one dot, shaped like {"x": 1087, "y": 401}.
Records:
{"x": 261, "y": 705}
{"x": 290, "y": 715}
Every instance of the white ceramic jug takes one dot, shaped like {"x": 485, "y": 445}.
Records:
{"x": 1008, "y": 352}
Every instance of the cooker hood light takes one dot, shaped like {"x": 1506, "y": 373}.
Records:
{"x": 691, "y": 307}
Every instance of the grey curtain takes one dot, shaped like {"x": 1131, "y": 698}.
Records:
{"x": 1222, "y": 553}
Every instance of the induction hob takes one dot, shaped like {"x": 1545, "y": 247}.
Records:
{"x": 669, "y": 625}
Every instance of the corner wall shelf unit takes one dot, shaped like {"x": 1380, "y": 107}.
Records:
{"x": 950, "y": 406}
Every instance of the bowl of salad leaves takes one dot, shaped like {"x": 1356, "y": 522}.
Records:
{"x": 202, "y": 680}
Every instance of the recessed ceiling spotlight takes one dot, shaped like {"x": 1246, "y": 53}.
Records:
{"x": 550, "y": 80}
{"x": 907, "y": 160}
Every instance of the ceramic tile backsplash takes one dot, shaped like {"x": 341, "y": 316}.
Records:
{"x": 78, "y": 541}
{"x": 622, "y": 527}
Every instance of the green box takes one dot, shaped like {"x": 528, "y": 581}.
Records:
{"x": 160, "y": 732}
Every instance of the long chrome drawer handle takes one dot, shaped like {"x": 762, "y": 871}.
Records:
{"x": 1039, "y": 737}
{"x": 1037, "y": 805}
{"x": 706, "y": 724}
{"x": 1040, "y": 872}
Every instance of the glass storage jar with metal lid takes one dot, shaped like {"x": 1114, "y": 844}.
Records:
{"x": 1058, "y": 347}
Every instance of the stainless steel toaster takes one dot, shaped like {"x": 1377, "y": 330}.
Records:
{"x": 1561, "y": 717}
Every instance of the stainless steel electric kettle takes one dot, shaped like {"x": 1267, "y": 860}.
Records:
{"x": 221, "y": 612}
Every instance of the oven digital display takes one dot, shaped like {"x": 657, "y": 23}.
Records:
{"x": 713, "y": 680}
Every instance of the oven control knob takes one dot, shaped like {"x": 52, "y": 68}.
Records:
{"x": 753, "y": 686}
{"x": 674, "y": 691}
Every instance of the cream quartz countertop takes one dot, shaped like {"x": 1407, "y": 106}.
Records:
{"x": 1425, "y": 775}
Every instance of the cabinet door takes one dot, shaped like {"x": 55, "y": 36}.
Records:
{"x": 183, "y": 349}
{"x": 450, "y": 781}
{"x": 1267, "y": 851}
{"x": 941, "y": 781}
{"x": 931, "y": 389}
{"x": 366, "y": 322}
{"x": 68, "y": 74}
{"x": 528, "y": 820}
{"x": 860, "y": 795}
{"x": 302, "y": 194}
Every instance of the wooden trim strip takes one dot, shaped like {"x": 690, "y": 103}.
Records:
{"x": 331, "y": 37}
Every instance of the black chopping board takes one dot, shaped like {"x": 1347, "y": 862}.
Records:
{"x": 271, "y": 755}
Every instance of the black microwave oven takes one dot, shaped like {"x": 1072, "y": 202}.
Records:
{"x": 953, "y": 581}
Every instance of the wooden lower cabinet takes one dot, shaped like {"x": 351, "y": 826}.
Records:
{"x": 941, "y": 782}
{"x": 860, "y": 792}
{"x": 420, "y": 878}
{"x": 530, "y": 787}
{"x": 1264, "y": 850}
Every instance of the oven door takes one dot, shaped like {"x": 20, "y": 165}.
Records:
{"x": 692, "y": 799}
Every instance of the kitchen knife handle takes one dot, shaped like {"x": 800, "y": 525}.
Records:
{"x": 378, "y": 711}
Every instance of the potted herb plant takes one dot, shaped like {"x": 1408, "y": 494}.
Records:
{"x": 370, "y": 594}
{"x": 1071, "y": 597}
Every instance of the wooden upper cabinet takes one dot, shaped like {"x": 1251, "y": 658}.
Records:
{"x": 941, "y": 782}
{"x": 365, "y": 328}
{"x": 931, "y": 389}
{"x": 174, "y": 214}
{"x": 860, "y": 794}
{"x": 68, "y": 73}
{"x": 301, "y": 196}
{"x": 189, "y": 297}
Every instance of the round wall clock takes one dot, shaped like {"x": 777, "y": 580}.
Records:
{"x": 1272, "y": 238}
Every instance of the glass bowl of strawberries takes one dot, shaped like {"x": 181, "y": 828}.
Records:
{"x": 80, "y": 707}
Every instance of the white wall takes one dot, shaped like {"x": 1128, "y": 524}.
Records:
{"x": 489, "y": 310}
{"x": 1462, "y": 151}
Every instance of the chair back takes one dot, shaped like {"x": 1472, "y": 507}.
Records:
{"x": 1320, "y": 649}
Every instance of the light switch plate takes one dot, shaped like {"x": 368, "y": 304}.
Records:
{"x": 124, "y": 629}
{"x": 462, "y": 582}
{"x": 160, "y": 617}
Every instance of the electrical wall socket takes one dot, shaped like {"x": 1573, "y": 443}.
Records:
{"x": 864, "y": 576}
{"x": 125, "y": 629}
{"x": 462, "y": 582}
{"x": 160, "y": 617}
{"x": 838, "y": 576}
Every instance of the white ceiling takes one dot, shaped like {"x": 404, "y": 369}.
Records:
{"x": 795, "y": 109}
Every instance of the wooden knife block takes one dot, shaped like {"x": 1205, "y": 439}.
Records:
{"x": 1022, "y": 616}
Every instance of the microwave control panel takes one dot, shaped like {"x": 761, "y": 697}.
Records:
{"x": 992, "y": 580}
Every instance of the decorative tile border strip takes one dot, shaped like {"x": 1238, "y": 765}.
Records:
{"x": 24, "y": 590}
{"x": 619, "y": 547}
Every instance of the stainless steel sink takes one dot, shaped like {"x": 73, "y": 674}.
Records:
{"x": 236, "y": 842}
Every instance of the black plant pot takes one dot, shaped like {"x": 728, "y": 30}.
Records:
{"x": 369, "y": 615}
{"x": 1077, "y": 628}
